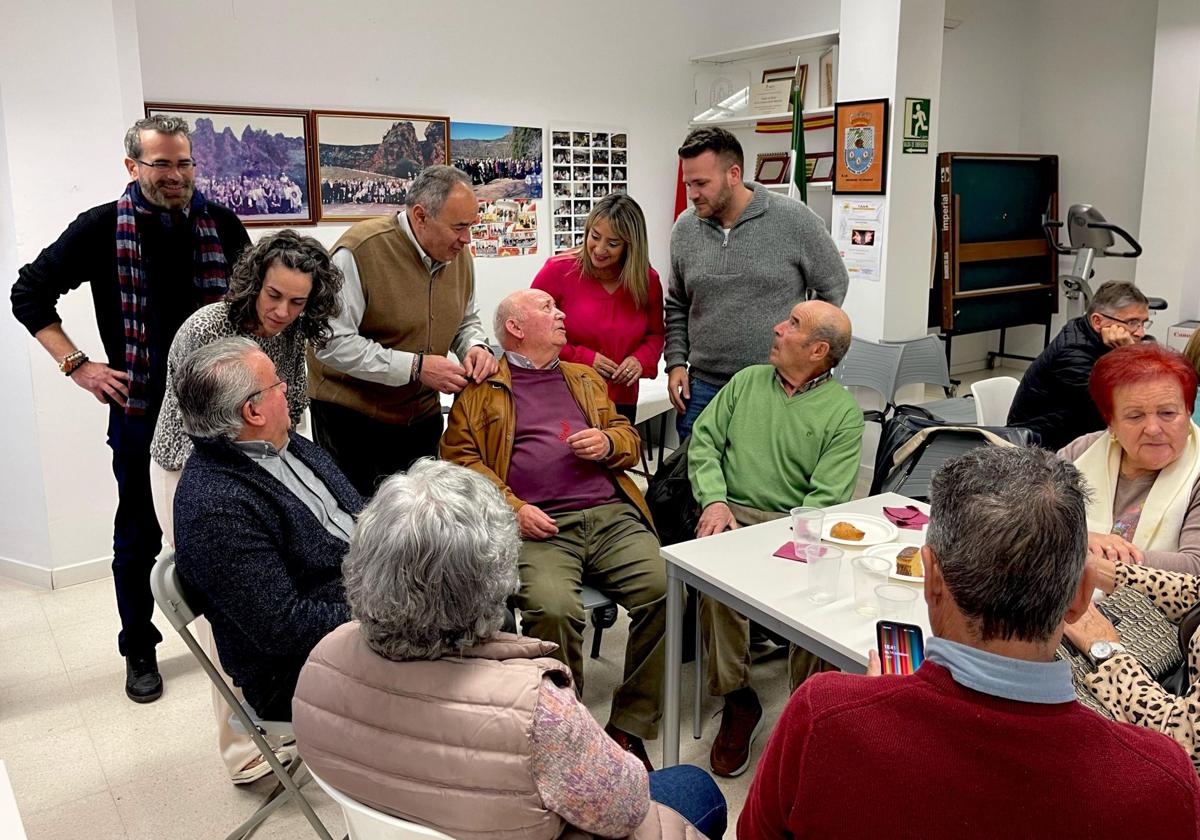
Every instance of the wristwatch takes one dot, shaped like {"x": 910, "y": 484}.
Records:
{"x": 1103, "y": 650}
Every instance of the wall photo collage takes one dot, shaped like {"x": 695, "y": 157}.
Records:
{"x": 585, "y": 166}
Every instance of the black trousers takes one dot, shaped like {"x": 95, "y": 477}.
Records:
{"x": 137, "y": 538}
{"x": 368, "y": 450}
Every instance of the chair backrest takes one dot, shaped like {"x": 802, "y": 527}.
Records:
{"x": 923, "y": 360}
{"x": 364, "y": 823}
{"x": 993, "y": 398}
{"x": 168, "y": 592}
{"x": 870, "y": 364}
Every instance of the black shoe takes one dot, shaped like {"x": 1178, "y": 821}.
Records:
{"x": 143, "y": 684}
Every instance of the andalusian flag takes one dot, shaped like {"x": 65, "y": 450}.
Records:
{"x": 800, "y": 166}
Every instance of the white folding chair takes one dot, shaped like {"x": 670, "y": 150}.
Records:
{"x": 366, "y": 823}
{"x": 169, "y": 595}
{"x": 993, "y": 399}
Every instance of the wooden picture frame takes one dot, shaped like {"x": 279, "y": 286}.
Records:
{"x": 269, "y": 180}
{"x": 860, "y": 140}
{"x": 366, "y": 161}
{"x": 798, "y": 72}
{"x": 819, "y": 167}
{"x": 772, "y": 168}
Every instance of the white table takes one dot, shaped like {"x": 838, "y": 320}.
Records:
{"x": 738, "y": 569}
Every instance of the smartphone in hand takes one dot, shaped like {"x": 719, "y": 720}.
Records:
{"x": 901, "y": 647}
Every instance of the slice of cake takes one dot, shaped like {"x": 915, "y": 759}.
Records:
{"x": 908, "y": 562}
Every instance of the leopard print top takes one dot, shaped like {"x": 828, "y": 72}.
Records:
{"x": 1124, "y": 687}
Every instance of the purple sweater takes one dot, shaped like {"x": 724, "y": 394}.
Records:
{"x": 544, "y": 471}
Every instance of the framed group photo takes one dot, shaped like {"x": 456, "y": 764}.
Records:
{"x": 860, "y": 139}
{"x": 366, "y": 162}
{"x": 258, "y": 162}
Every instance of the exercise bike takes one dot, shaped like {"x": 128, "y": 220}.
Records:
{"x": 1091, "y": 237}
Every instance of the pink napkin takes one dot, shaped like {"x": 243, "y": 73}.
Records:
{"x": 788, "y": 552}
{"x": 906, "y": 517}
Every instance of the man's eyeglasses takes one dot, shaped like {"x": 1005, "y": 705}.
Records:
{"x": 1133, "y": 323}
{"x": 163, "y": 165}
{"x": 263, "y": 391}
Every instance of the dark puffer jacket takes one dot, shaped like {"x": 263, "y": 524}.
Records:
{"x": 1053, "y": 398}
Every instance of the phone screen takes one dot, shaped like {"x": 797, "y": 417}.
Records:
{"x": 901, "y": 647}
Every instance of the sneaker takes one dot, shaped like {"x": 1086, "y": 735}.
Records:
{"x": 143, "y": 684}
{"x": 630, "y": 743}
{"x": 741, "y": 721}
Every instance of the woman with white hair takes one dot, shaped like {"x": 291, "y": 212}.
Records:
{"x": 423, "y": 709}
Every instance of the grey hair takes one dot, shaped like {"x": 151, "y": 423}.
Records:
{"x": 1114, "y": 295}
{"x": 1009, "y": 529}
{"x": 432, "y": 187}
{"x": 432, "y": 562}
{"x": 213, "y": 384}
{"x": 832, "y": 331}
{"x": 162, "y": 123}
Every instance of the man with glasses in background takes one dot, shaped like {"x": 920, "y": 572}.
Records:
{"x": 152, "y": 258}
{"x": 1053, "y": 397}
{"x": 263, "y": 518}
{"x": 408, "y": 300}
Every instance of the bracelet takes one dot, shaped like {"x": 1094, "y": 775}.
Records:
{"x": 72, "y": 362}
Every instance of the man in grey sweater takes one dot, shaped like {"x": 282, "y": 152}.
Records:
{"x": 739, "y": 257}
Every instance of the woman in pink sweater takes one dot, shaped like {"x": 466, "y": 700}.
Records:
{"x": 613, "y": 299}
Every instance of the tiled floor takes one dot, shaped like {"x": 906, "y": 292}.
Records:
{"x": 86, "y": 762}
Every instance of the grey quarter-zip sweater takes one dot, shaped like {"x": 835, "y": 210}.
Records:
{"x": 728, "y": 289}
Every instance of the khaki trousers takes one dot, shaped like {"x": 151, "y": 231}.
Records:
{"x": 237, "y": 749}
{"x": 725, "y": 633}
{"x": 611, "y": 548}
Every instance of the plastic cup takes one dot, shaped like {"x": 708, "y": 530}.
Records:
{"x": 806, "y": 528}
{"x": 824, "y": 572}
{"x": 869, "y": 572}
{"x": 895, "y": 601}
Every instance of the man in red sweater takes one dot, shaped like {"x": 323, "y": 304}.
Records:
{"x": 986, "y": 739}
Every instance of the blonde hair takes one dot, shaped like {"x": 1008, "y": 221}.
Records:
{"x": 629, "y": 225}
{"x": 1192, "y": 351}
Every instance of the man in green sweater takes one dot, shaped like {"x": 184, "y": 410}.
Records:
{"x": 775, "y": 437}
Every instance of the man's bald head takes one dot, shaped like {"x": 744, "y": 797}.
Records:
{"x": 528, "y": 322}
{"x": 813, "y": 339}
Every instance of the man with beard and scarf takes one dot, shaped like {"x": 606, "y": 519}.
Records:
{"x": 153, "y": 257}
{"x": 739, "y": 257}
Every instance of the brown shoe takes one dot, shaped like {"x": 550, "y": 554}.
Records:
{"x": 741, "y": 720}
{"x": 629, "y": 743}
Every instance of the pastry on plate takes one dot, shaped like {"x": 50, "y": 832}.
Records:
{"x": 846, "y": 531}
{"x": 908, "y": 562}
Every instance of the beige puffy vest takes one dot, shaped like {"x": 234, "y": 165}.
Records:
{"x": 444, "y": 742}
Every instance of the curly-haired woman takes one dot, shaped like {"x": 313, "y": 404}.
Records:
{"x": 282, "y": 293}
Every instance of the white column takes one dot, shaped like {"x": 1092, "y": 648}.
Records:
{"x": 70, "y": 84}
{"x": 893, "y": 49}
{"x": 1171, "y": 190}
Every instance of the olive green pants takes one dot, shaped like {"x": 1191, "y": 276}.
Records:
{"x": 726, "y": 633}
{"x": 611, "y": 548}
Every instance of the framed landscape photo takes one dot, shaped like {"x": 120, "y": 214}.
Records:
{"x": 366, "y": 162}
{"x": 258, "y": 162}
{"x": 772, "y": 168}
{"x": 819, "y": 167}
{"x": 860, "y": 139}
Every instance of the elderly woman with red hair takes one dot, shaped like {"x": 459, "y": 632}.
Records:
{"x": 1143, "y": 470}
{"x": 1143, "y": 527}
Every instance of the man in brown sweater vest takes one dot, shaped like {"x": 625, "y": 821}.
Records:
{"x": 408, "y": 299}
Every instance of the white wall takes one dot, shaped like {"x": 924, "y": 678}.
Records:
{"x": 1069, "y": 77}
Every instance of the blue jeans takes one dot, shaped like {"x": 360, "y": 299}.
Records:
{"x": 692, "y": 793}
{"x": 702, "y": 394}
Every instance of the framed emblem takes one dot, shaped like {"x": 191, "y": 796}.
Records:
{"x": 861, "y": 138}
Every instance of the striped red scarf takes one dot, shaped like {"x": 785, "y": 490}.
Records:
{"x": 211, "y": 278}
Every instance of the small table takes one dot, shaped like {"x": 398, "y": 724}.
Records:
{"x": 738, "y": 569}
{"x": 653, "y": 401}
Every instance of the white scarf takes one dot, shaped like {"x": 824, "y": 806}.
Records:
{"x": 1165, "y": 507}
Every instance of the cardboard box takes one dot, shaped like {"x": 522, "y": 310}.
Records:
{"x": 1179, "y": 334}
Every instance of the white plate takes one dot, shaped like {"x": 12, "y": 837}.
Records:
{"x": 888, "y": 552}
{"x": 875, "y": 529}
